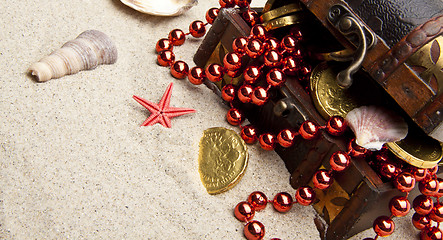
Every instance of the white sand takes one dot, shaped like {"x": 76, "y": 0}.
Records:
{"x": 76, "y": 164}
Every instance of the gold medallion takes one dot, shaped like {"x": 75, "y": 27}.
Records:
{"x": 332, "y": 100}
{"x": 418, "y": 149}
{"x": 222, "y": 160}
{"x": 281, "y": 11}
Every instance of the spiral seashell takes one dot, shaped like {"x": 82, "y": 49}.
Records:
{"x": 90, "y": 49}
{"x": 161, "y": 8}
{"x": 374, "y": 126}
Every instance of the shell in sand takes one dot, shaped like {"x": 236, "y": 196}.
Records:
{"x": 161, "y": 7}
{"x": 90, "y": 49}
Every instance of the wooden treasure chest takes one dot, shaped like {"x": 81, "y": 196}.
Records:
{"x": 358, "y": 53}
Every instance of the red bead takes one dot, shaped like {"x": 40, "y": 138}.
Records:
{"x": 437, "y": 213}
{"x": 244, "y": 93}
{"x": 259, "y": 96}
{"x": 290, "y": 65}
{"x": 357, "y": 151}
{"x": 249, "y": 134}
{"x": 197, "y": 29}
{"x": 420, "y": 221}
{"x": 283, "y": 202}
{"x": 431, "y": 233}
{"x": 177, "y": 37}
{"x": 228, "y": 92}
{"x": 297, "y": 34}
{"x": 382, "y": 157}
{"x": 336, "y": 126}
{"x": 404, "y": 182}
{"x": 399, "y": 206}
{"x": 258, "y": 200}
{"x": 339, "y": 161}
{"x": 179, "y": 69}
{"x": 305, "y": 70}
{"x": 429, "y": 187}
{"x": 259, "y": 32}
{"x": 272, "y": 58}
{"x": 254, "y": 230}
{"x": 322, "y": 179}
{"x": 239, "y": 45}
{"x": 271, "y": 44}
{"x": 383, "y": 226}
{"x": 254, "y": 48}
{"x": 439, "y": 193}
{"x": 267, "y": 141}
{"x": 196, "y": 75}
{"x": 214, "y": 72}
{"x": 423, "y": 204}
{"x": 163, "y": 44}
{"x": 250, "y": 16}
{"x": 275, "y": 77}
{"x": 309, "y": 130}
{"x": 305, "y": 196}
{"x": 211, "y": 15}
{"x": 226, "y": 3}
{"x": 234, "y": 116}
{"x": 251, "y": 74}
{"x": 286, "y": 138}
{"x": 232, "y": 61}
{"x": 244, "y": 211}
{"x": 389, "y": 170}
{"x": 242, "y": 3}
{"x": 289, "y": 44}
{"x": 419, "y": 173}
{"x": 165, "y": 58}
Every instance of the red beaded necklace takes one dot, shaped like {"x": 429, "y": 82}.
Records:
{"x": 281, "y": 58}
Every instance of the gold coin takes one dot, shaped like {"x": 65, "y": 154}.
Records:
{"x": 281, "y": 11}
{"x": 222, "y": 160}
{"x": 283, "y": 22}
{"x": 332, "y": 100}
{"x": 418, "y": 149}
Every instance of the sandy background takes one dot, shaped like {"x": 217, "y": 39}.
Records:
{"x": 75, "y": 164}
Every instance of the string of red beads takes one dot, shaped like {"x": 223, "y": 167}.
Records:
{"x": 281, "y": 58}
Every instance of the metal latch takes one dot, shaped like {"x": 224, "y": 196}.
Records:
{"x": 344, "y": 20}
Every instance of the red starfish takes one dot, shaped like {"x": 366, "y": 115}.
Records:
{"x": 162, "y": 112}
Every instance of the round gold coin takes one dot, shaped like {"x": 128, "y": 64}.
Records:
{"x": 418, "y": 149}
{"x": 332, "y": 100}
{"x": 329, "y": 98}
{"x": 281, "y": 11}
{"x": 223, "y": 158}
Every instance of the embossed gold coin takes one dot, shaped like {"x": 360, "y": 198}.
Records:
{"x": 418, "y": 149}
{"x": 332, "y": 100}
{"x": 223, "y": 158}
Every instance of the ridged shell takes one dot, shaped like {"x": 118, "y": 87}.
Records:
{"x": 161, "y": 7}
{"x": 374, "y": 126}
{"x": 90, "y": 49}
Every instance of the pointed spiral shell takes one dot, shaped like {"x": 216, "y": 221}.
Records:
{"x": 90, "y": 49}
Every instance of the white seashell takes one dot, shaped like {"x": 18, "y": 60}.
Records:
{"x": 161, "y": 7}
{"x": 374, "y": 126}
{"x": 90, "y": 49}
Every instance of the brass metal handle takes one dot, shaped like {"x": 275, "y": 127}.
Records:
{"x": 352, "y": 29}
{"x": 349, "y": 25}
